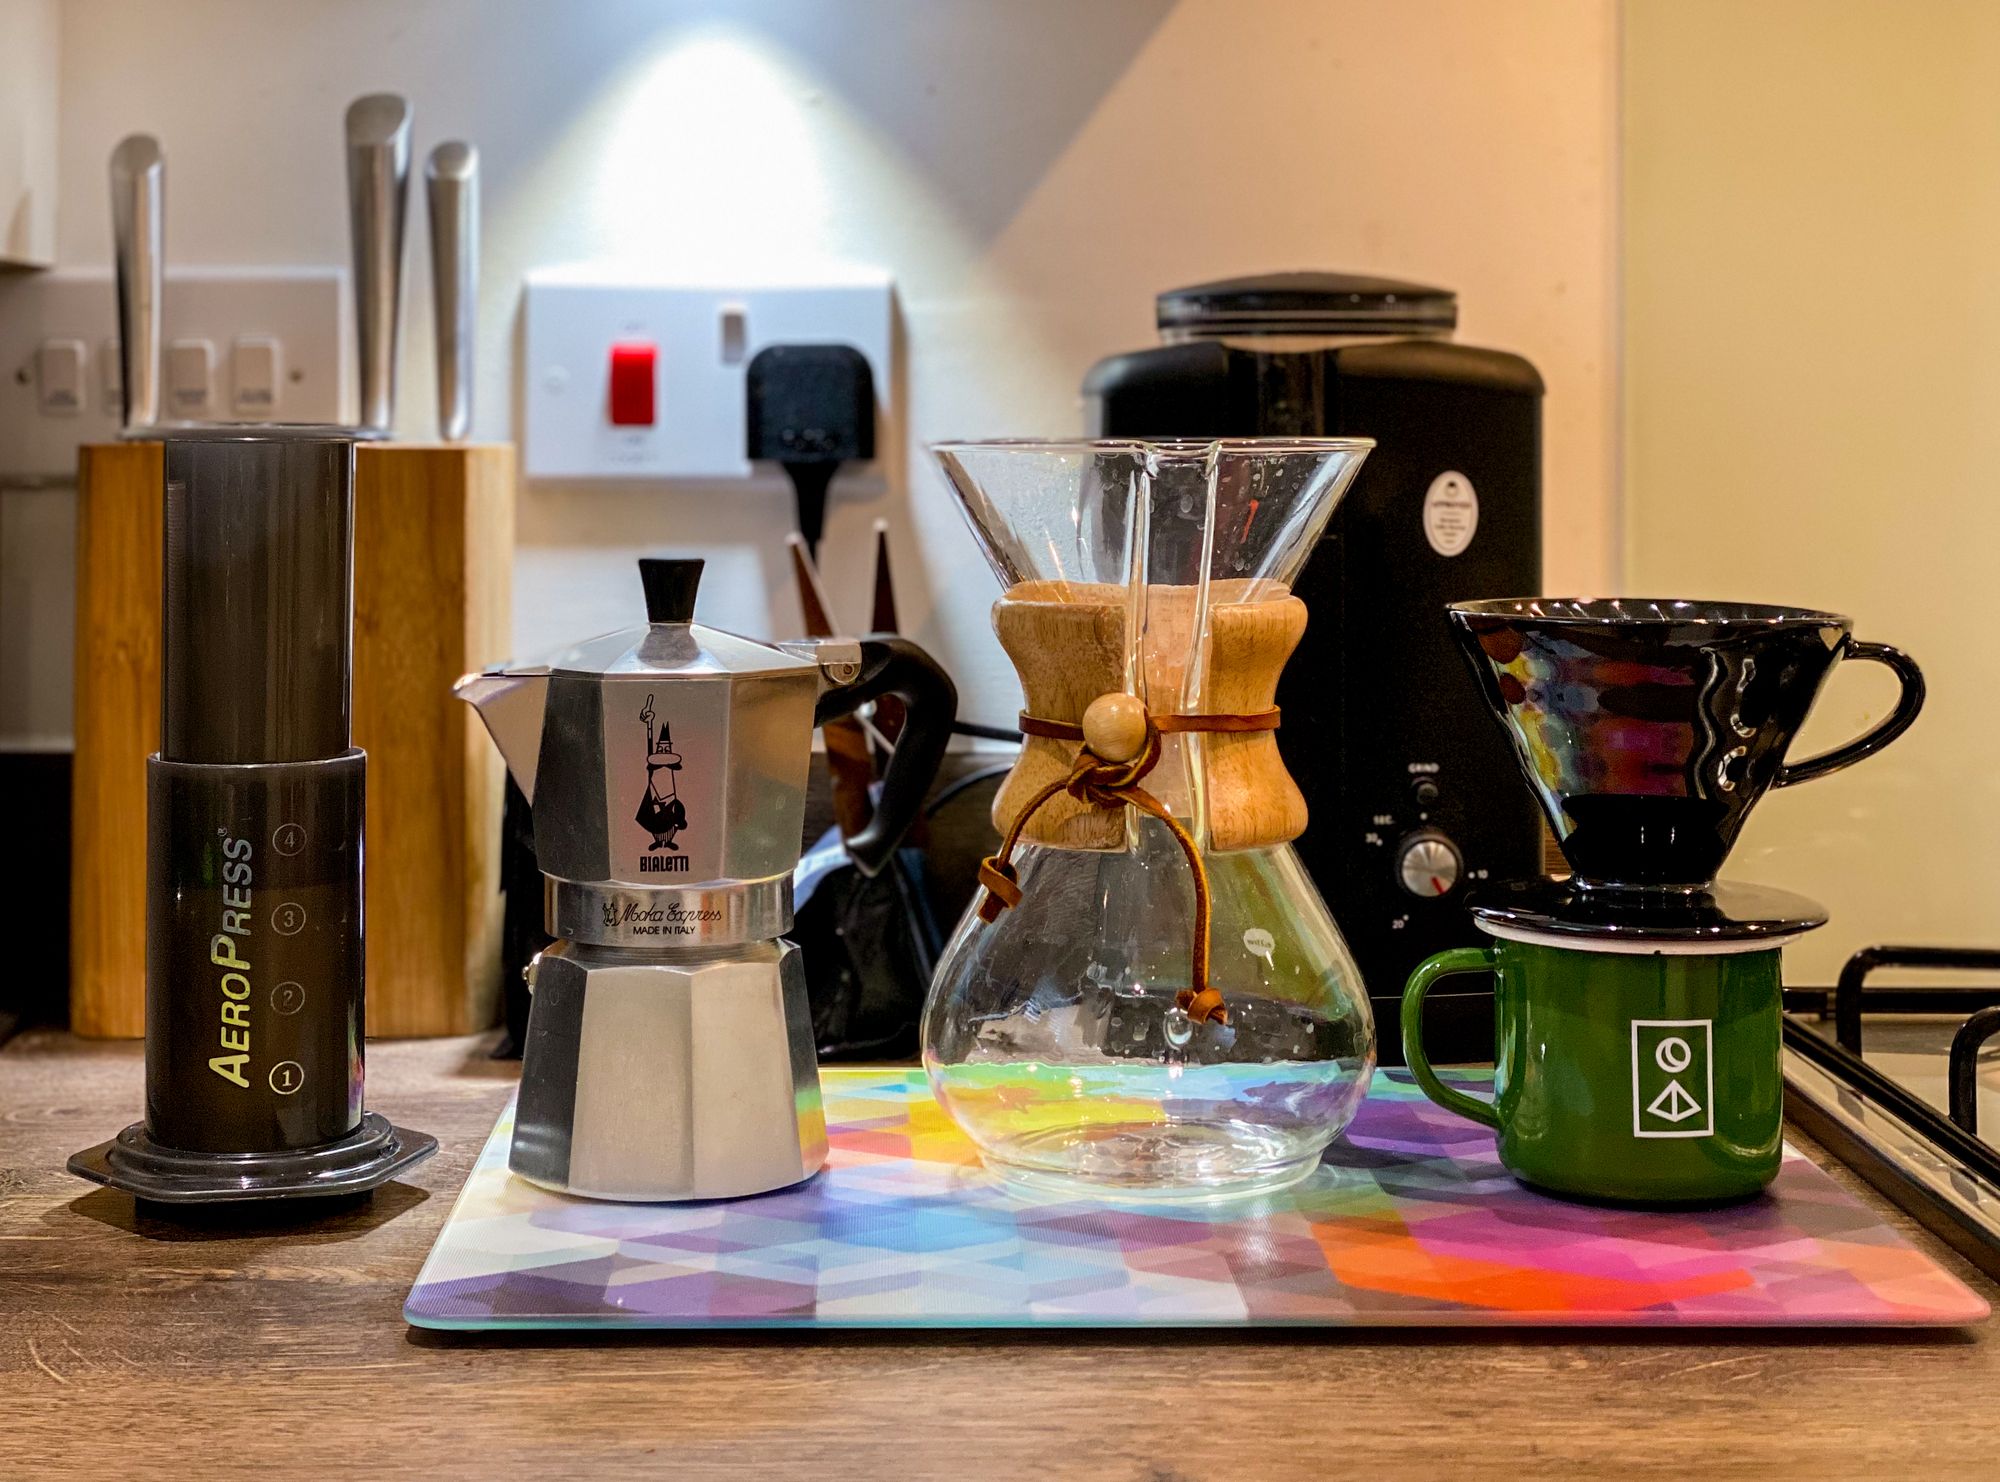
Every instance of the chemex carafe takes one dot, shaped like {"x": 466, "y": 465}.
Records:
{"x": 1148, "y": 997}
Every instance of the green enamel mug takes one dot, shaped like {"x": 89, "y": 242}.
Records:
{"x": 1627, "y": 1074}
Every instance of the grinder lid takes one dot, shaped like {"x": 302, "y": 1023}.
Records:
{"x": 1318, "y": 305}
{"x": 672, "y": 645}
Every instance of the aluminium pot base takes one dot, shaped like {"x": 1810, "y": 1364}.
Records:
{"x": 365, "y": 1159}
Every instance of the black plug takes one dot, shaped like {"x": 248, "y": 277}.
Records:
{"x": 810, "y": 409}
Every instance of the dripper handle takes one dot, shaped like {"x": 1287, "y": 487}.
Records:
{"x": 896, "y": 666}
{"x": 1908, "y": 704}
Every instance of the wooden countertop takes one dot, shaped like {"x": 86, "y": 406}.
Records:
{"x": 138, "y": 1348}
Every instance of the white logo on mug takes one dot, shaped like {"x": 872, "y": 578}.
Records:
{"x": 1673, "y": 1078}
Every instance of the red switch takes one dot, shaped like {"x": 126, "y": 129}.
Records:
{"x": 633, "y": 383}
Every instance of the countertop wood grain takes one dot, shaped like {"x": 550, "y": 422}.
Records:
{"x": 134, "y": 1348}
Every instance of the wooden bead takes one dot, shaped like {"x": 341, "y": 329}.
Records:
{"x": 1114, "y": 726}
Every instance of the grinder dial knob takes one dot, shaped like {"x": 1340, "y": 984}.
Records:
{"x": 1428, "y": 863}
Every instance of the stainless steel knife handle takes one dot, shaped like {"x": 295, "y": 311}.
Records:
{"x": 378, "y": 194}
{"x": 451, "y": 182}
{"x": 138, "y": 225}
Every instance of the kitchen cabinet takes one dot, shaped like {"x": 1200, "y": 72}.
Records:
{"x": 28, "y": 81}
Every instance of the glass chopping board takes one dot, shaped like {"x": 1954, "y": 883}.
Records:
{"x": 1409, "y": 1222}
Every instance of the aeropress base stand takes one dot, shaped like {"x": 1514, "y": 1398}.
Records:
{"x": 369, "y": 1157}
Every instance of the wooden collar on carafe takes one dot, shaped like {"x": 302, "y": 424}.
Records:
{"x": 1120, "y": 745}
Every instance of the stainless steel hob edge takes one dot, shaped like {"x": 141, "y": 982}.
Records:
{"x": 1938, "y": 1174}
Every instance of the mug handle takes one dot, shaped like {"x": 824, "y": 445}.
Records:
{"x": 1907, "y": 705}
{"x": 1442, "y": 965}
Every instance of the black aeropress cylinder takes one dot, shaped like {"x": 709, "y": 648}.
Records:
{"x": 257, "y": 623}
{"x": 254, "y": 985}
{"x": 253, "y": 951}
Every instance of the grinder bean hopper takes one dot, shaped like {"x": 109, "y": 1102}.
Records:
{"x": 253, "y": 838}
{"x": 669, "y": 1052}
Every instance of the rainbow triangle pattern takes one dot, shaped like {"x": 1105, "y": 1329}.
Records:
{"x": 1409, "y": 1222}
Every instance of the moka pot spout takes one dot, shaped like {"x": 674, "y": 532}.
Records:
{"x": 511, "y": 701}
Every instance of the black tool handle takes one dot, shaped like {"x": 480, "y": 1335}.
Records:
{"x": 896, "y": 666}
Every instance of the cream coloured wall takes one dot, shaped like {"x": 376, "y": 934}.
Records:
{"x": 1811, "y": 372}
{"x": 1030, "y": 171}
{"x": 29, "y": 33}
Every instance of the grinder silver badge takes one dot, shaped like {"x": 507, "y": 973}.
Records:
{"x": 669, "y": 1053}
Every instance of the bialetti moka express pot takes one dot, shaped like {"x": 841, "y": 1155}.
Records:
{"x": 669, "y": 1052}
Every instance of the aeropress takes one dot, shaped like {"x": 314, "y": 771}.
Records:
{"x": 254, "y": 808}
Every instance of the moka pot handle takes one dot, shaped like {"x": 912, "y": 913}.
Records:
{"x": 896, "y": 666}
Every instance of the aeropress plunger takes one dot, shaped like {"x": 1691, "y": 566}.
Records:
{"x": 254, "y": 839}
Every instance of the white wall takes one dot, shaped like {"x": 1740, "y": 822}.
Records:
{"x": 29, "y": 37}
{"x": 1812, "y": 321}
{"x": 1030, "y": 171}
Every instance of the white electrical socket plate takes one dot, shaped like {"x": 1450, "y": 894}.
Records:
{"x": 705, "y": 337}
{"x": 303, "y": 309}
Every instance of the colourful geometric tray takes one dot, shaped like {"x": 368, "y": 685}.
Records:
{"x": 1410, "y": 1222}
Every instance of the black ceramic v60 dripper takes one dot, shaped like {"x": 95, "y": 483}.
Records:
{"x": 254, "y": 990}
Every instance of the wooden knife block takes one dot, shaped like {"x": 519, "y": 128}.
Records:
{"x": 433, "y": 557}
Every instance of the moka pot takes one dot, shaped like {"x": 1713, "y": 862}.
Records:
{"x": 669, "y": 1052}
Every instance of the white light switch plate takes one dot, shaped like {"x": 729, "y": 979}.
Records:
{"x": 706, "y": 337}
{"x": 303, "y": 310}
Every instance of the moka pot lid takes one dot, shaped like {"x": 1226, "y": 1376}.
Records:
{"x": 672, "y": 645}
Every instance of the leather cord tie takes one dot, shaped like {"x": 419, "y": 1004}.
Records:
{"x": 1100, "y": 781}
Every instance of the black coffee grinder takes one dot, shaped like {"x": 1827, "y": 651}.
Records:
{"x": 1413, "y": 795}
{"x": 253, "y": 833}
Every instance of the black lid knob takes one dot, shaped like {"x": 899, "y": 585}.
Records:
{"x": 670, "y": 587}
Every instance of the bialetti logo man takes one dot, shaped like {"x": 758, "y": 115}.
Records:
{"x": 224, "y": 952}
{"x": 661, "y": 812}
